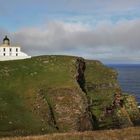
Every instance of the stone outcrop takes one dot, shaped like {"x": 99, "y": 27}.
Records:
{"x": 131, "y": 107}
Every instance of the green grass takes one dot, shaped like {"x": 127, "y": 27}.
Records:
{"x": 102, "y": 85}
{"x": 132, "y": 133}
{"x": 41, "y": 94}
{"x": 19, "y": 83}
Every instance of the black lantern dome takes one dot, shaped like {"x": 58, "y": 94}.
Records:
{"x": 6, "y": 41}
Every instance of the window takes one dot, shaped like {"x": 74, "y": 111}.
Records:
{"x": 10, "y": 49}
{"x": 4, "y": 49}
{"x": 16, "y": 54}
{"x": 3, "y": 54}
{"x": 16, "y": 49}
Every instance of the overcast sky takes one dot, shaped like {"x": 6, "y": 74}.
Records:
{"x": 108, "y": 30}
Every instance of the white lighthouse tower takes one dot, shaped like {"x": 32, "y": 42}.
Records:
{"x": 8, "y": 52}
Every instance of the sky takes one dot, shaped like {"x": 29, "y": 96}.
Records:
{"x": 105, "y": 30}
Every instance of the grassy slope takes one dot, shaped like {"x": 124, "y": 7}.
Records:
{"x": 19, "y": 81}
{"x": 123, "y": 134}
{"x": 28, "y": 88}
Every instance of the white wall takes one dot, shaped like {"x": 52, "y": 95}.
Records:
{"x": 11, "y": 53}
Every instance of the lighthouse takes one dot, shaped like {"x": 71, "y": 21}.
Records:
{"x": 8, "y": 52}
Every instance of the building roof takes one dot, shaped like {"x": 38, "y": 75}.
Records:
{"x": 6, "y": 38}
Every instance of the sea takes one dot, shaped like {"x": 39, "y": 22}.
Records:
{"x": 129, "y": 78}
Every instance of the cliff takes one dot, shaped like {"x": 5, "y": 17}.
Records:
{"x": 61, "y": 94}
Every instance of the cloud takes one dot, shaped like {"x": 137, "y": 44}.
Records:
{"x": 98, "y": 29}
{"x": 106, "y": 41}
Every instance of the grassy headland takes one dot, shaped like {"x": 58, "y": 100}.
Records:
{"x": 49, "y": 94}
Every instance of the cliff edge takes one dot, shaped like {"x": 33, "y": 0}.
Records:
{"x": 49, "y": 94}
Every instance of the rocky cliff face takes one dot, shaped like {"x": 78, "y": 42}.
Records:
{"x": 107, "y": 102}
{"x": 60, "y": 94}
{"x": 131, "y": 107}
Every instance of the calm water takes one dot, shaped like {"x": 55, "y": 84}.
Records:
{"x": 129, "y": 78}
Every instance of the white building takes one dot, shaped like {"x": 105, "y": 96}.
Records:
{"x": 8, "y": 52}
